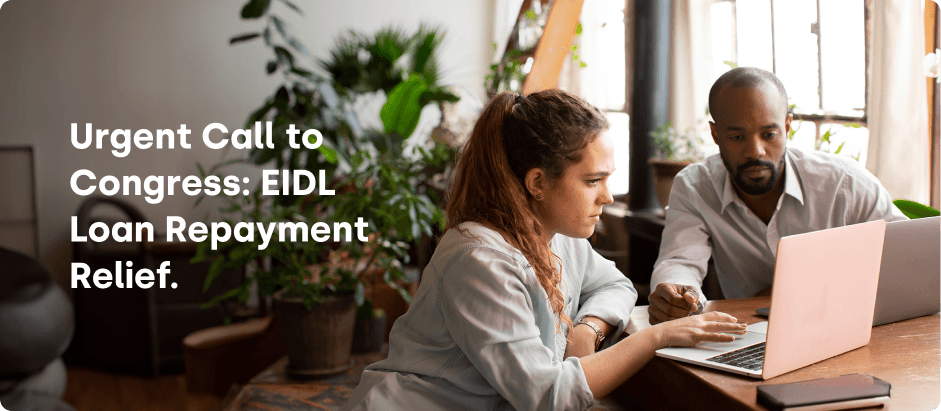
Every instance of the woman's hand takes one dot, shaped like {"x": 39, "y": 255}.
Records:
{"x": 712, "y": 326}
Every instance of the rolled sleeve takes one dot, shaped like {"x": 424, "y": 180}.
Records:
{"x": 684, "y": 248}
{"x": 489, "y": 313}
{"x": 606, "y": 293}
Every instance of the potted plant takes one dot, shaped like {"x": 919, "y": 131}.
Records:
{"x": 316, "y": 287}
{"x": 673, "y": 151}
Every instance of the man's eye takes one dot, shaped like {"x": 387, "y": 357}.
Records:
{"x": 594, "y": 182}
{"x": 771, "y": 135}
{"x": 735, "y": 137}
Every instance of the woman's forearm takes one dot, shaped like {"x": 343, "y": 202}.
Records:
{"x": 607, "y": 369}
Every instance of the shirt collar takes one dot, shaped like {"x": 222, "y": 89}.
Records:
{"x": 792, "y": 185}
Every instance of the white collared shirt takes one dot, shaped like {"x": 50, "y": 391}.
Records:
{"x": 706, "y": 218}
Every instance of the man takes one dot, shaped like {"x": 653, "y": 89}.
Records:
{"x": 736, "y": 206}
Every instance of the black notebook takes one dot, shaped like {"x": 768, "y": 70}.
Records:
{"x": 847, "y": 391}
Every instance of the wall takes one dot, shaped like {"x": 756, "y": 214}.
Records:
{"x": 147, "y": 64}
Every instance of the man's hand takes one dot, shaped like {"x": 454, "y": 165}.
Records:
{"x": 672, "y": 301}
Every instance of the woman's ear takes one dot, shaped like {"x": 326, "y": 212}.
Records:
{"x": 536, "y": 180}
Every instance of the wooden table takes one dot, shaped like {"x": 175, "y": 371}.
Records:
{"x": 906, "y": 354}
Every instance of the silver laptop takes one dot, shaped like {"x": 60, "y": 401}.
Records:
{"x": 829, "y": 276}
{"x": 910, "y": 277}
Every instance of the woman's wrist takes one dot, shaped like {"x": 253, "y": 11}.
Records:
{"x": 584, "y": 333}
{"x": 658, "y": 334}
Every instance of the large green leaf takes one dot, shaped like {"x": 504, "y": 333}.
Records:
{"x": 914, "y": 210}
{"x": 402, "y": 109}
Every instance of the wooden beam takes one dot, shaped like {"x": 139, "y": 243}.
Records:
{"x": 930, "y": 44}
{"x": 935, "y": 115}
{"x": 553, "y": 46}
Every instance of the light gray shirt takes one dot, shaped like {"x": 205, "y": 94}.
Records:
{"x": 706, "y": 218}
{"x": 480, "y": 333}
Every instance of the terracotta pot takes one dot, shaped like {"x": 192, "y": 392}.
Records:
{"x": 317, "y": 341}
{"x": 663, "y": 173}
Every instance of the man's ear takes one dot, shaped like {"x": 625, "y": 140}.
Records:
{"x": 787, "y": 126}
{"x": 712, "y": 130}
{"x": 536, "y": 181}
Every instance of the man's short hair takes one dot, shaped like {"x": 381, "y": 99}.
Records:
{"x": 746, "y": 77}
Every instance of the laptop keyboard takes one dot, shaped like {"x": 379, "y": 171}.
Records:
{"x": 750, "y": 358}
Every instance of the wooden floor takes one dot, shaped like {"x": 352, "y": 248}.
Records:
{"x": 93, "y": 390}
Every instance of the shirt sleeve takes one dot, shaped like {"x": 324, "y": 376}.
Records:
{"x": 489, "y": 314}
{"x": 869, "y": 199}
{"x": 606, "y": 293}
{"x": 684, "y": 248}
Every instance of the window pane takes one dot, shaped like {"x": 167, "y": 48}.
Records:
{"x": 796, "y": 51}
{"x": 855, "y": 141}
{"x": 842, "y": 54}
{"x": 602, "y": 49}
{"x": 618, "y": 133}
{"x": 720, "y": 24}
{"x": 753, "y": 18}
{"x": 805, "y": 135}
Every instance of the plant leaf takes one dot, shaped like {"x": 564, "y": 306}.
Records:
{"x": 301, "y": 72}
{"x": 293, "y": 7}
{"x": 243, "y": 37}
{"x": 328, "y": 151}
{"x": 255, "y": 9}
{"x": 297, "y": 45}
{"x": 214, "y": 270}
{"x": 401, "y": 111}
{"x": 284, "y": 56}
{"x": 915, "y": 210}
{"x": 279, "y": 25}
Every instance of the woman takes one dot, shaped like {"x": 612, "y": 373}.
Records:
{"x": 515, "y": 304}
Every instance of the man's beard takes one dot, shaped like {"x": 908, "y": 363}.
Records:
{"x": 749, "y": 187}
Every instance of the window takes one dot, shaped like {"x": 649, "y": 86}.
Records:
{"x": 818, "y": 49}
{"x": 602, "y": 80}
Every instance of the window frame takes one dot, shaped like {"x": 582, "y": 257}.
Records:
{"x": 818, "y": 116}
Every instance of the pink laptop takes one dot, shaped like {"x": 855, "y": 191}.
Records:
{"x": 821, "y": 305}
